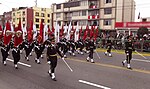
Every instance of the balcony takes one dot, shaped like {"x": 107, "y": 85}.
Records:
{"x": 92, "y": 6}
{"x": 93, "y": 17}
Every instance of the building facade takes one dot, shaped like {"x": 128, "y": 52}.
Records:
{"x": 5, "y": 17}
{"x": 32, "y": 14}
{"x": 102, "y": 13}
{"x": 2, "y": 20}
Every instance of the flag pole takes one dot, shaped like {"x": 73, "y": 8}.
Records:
{"x": 67, "y": 65}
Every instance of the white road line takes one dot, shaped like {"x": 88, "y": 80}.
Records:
{"x": 141, "y": 60}
{"x": 92, "y": 84}
{"x": 24, "y": 64}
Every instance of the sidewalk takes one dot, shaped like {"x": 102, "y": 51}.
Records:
{"x": 122, "y": 51}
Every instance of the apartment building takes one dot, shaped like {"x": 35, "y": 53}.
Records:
{"x": 5, "y": 17}
{"x": 35, "y": 14}
{"x": 102, "y": 13}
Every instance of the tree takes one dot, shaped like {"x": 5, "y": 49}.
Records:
{"x": 141, "y": 31}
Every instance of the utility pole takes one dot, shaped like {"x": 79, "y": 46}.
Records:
{"x": 35, "y": 3}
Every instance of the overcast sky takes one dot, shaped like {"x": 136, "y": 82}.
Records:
{"x": 142, "y": 6}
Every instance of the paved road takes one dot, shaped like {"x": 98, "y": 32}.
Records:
{"x": 106, "y": 73}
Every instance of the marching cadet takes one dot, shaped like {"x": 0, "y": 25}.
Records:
{"x": 128, "y": 50}
{"x": 92, "y": 47}
{"x": 109, "y": 47}
{"x": 87, "y": 41}
{"x": 37, "y": 52}
{"x": 4, "y": 50}
{"x": 28, "y": 48}
{"x": 16, "y": 55}
{"x": 52, "y": 51}
{"x": 72, "y": 47}
{"x": 80, "y": 46}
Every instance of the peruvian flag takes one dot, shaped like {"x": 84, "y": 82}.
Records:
{"x": 45, "y": 34}
{"x": 86, "y": 32}
{"x": 80, "y": 33}
{"x": 65, "y": 31}
{"x": 62, "y": 31}
{"x": 53, "y": 29}
{"x": 30, "y": 33}
{"x": 18, "y": 38}
{"x": 91, "y": 32}
{"x": 40, "y": 36}
{"x": 72, "y": 32}
{"x": 1, "y": 32}
{"x": 49, "y": 31}
{"x": 69, "y": 30}
{"x": 24, "y": 32}
{"x": 7, "y": 33}
{"x": 77, "y": 33}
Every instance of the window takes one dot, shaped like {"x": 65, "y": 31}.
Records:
{"x": 37, "y": 25}
{"x": 107, "y": 22}
{"x": 48, "y": 15}
{"x": 83, "y": 13}
{"x": 58, "y": 15}
{"x": 58, "y": 6}
{"x": 23, "y": 19}
{"x": 107, "y": 1}
{"x": 108, "y": 11}
{"x": 75, "y": 13}
{"x": 23, "y": 13}
{"x": 13, "y": 19}
{"x": 13, "y": 14}
{"x": 42, "y": 20}
{"x": 83, "y": 23}
{"x": 36, "y": 14}
{"x": 42, "y": 14}
{"x": 36, "y": 20}
{"x": 48, "y": 21}
{"x": 43, "y": 9}
{"x": 84, "y": 3}
{"x": 94, "y": 12}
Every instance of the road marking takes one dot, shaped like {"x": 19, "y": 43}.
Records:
{"x": 141, "y": 60}
{"x": 111, "y": 66}
{"x": 93, "y": 84}
{"x": 21, "y": 63}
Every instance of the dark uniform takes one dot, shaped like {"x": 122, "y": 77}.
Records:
{"x": 80, "y": 46}
{"x": 38, "y": 51}
{"x": 28, "y": 48}
{"x": 87, "y": 46}
{"x": 5, "y": 54}
{"x": 52, "y": 51}
{"x": 109, "y": 47}
{"x": 128, "y": 50}
{"x": 16, "y": 55}
{"x": 92, "y": 47}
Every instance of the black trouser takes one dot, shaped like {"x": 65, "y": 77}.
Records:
{"x": 53, "y": 64}
{"x": 109, "y": 49}
{"x": 128, "y": 57}
{"x": 91, "y": 53}
{"x": 16, "y": 56}
{"x": 38, "y": 53}
{"x": 4, "y": 54}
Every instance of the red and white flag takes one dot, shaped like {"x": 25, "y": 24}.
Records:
{"x": 1, "y": 32}
{"x": 18, "y": 37}
{"x": 86, "y": 32}
{"x": 40, "y": 36}
{"x": 7, "y": 33}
